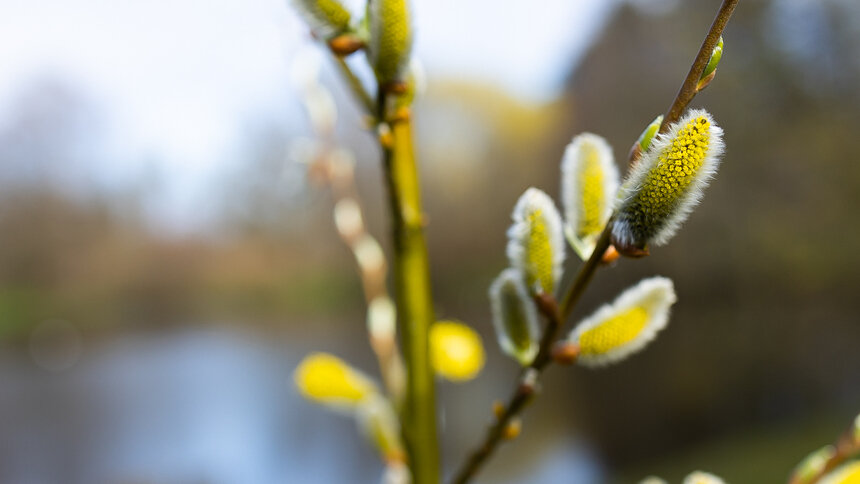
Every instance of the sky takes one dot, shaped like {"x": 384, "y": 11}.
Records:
{"x": 176, "y": 80}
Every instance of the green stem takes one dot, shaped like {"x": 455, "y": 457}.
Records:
{"x": 414, "y": 301}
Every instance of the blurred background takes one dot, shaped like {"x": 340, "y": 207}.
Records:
{"x": 165, "y": 262}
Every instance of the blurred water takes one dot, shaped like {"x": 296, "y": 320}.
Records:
{"x": 189, "y": 407}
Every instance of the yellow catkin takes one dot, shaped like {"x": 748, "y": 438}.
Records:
{"x": 327, "y": 18}
{"x": 326, "y": 378}
{"x": 849, "y": 474}
{"x": 539, "y": 253}
{"x": 393, "y": 39}
{"x": 614, "y": 332}
{"x": 456, "y": 351}
{"x": 334, "y": 13}
{"x": 593, "y": 196}
{"x": 667, "y": 183}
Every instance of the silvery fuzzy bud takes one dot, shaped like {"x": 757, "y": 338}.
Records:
{"x": 515, "y": 317}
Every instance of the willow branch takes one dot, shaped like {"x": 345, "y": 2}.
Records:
{"x": 522, "y": 395}
{"x": 413, "y": 296}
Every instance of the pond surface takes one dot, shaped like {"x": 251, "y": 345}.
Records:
{"x": 188, "y": 407}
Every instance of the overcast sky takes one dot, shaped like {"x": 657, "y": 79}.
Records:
{"x": 176, "y": 79}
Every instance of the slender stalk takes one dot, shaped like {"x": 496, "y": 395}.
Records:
{"x": 525, "y": 389}
{"x": 413, "y": 296}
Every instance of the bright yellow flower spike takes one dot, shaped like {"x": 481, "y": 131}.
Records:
{"x": 616, "y": 331}
{"x": 390, "y": 39}
{"x": 667, "y": 183}
{"x": 535, "y": 241}
{"x": 326, "y": 17}
{"x": 700, "y": 477}
{"x": 329, "y": 380}
{"x": 456, "y": 351}
{"x": 589, "y": 181}
{"x": 515, "y": 317}
{"x": 847, "y": 474}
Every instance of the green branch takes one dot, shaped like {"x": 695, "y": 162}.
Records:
{"x": 414, "y": 300}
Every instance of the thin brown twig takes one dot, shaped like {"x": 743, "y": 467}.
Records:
{"x": 689, "y": 87}
{"x": 528, "y": 378}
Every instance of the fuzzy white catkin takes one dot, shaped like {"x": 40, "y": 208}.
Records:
{"x": 515, "y": 317}
{"x": 589, "y": 182}
{"x": 667, "y": 182}
{"x": 536, "y": 242}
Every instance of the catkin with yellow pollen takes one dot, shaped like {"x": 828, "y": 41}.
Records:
{"x": 589, "y": 182}
{"x": 667, "y": 183}
{"x": 847, "y": 474}
{"x": 327, "y": 18}
{"x": 327, "y": 379}
{"x": 390, "y": 39}
{"x": 535, "y": 241}
{"x": 456, "y": 351}
{"x": 617, "y": 330}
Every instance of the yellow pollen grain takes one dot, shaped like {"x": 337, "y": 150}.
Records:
{"x": 669, "y": 180}
{"x": 614, "y": 332}
{"x": 539, "y": 252}
{"x": 593, "y": 196}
